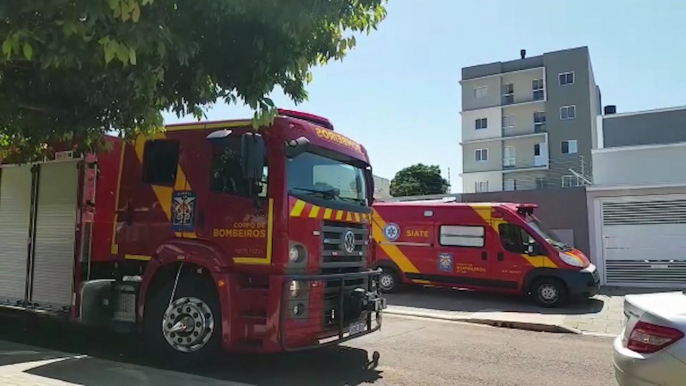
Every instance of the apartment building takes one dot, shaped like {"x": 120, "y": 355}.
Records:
{"x": 529, "y": 123}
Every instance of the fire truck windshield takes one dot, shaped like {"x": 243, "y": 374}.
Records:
{"x": 310, "y": 174}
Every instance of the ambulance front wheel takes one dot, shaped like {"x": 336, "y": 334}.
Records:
{"x": 549, "y": 292}
{"x": 389, "y": 281}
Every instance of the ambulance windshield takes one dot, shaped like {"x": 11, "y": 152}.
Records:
{"x": 545, "y": 233}
{"x": 310, "y": 174}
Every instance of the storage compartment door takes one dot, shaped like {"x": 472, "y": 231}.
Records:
{"x": 15, "y": 211}
{"x": 53, "y": 259}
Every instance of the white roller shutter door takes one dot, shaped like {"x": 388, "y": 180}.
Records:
{"x": 54, "y": 237}
{"x": 644, "y": 241}
{"x": 15, "y": 208}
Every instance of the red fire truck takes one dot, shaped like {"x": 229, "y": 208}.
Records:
{"x": 206, "y": 236}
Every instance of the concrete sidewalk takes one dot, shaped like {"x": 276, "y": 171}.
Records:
{"x": 600, "y": 315}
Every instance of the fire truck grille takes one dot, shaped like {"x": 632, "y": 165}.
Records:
{"x": 344, "y": 245}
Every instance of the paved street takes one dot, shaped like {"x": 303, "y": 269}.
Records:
{"x": 413, "y": 351}
{"x": 601, "y": 315}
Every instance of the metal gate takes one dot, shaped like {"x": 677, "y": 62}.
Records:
{"x": 15, "y": 214}
{"x": 644, "y": 241}
{"x": 54, "y": 238}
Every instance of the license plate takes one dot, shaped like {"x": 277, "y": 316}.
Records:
{"x": 357, "y": 328}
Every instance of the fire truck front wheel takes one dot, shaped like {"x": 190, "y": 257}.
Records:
{"x": 187, "y": 328}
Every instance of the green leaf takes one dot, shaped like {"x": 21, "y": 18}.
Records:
{"x": 123, "y": 53}
{"x": 132, "y": 56}
{"x": 110, "y": 50}
{"x": 7, "y": 47}
{"x": 136, "y": 13}
{"x": 308, "y": 77}
{"x": 125, "y": 12}
{"x": 28, "y": 51}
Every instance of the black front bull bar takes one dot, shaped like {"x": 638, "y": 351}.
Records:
{"x": 362, "y": 301}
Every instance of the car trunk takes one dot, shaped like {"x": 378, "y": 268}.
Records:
{"x": 665, "y": 309}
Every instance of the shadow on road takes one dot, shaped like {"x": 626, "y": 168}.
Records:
{"x": 446, "y": 299}
{"x": 329, "y": 366}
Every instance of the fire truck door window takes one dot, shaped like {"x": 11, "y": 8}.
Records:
{"x": 160, "y": 161}
{"x": 226, "y": 175}
{"x": 514, "y": 238}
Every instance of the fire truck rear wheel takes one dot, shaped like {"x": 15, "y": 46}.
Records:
{"x": 187, "y": 329}
{"x": 389, "y": 281}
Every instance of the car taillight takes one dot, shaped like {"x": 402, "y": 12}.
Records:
{"x": 647, "y": 338}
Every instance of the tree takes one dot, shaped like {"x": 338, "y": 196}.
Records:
{"x": 417, "y": 180}
{"x": 73, "y": 70}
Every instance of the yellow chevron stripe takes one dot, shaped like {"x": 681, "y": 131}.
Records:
{"x": 327, "y": 213}
{"x": 298, "y": 208}
{"x": 357, "y": 217}
{"x": 339, "y": 215}
{"x": 393, "y": 252}
{"x": 314, "y": 211}
{"x": 348, "y": 217}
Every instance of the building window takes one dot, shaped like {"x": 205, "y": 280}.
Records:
{"x": 481, "y": 123}
{"x": 481, "y": 187}
{"x": 160, "y": 162}
{"x": 509, "y": 157}
{"x": 510, "y": 185}
{"x": 480, "y": 92}
{"x": 540, "y": 183}
{"x": 462, "y": 236}
{"x": 508, "y": 93}
{"x": 570, "y": 181}
{"x": 568, "y": 147}
{"x": 508, "y": 121}
{"x": 481, "y": 154}
{"x": 226, "y": 173}
{"x": 567, "y": 112}
{"x": 537, "y": 87}
{"x": 539, "y": 121}
{"x": 537, "y": 149}
{"x": 566, "y": 78}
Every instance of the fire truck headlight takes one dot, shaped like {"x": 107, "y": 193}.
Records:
{"x": 296, "y": 254}
{"x": 294, "y": 288}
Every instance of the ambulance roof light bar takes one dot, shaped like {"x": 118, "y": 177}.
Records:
{"x": 316, "y": 119}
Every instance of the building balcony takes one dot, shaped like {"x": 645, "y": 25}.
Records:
{"x": 516, "y": 165}
{"x": 513, "y": 132}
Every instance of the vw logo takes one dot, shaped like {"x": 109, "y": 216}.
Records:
{"x": 349, "y": 241}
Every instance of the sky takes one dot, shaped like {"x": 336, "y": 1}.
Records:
{"x": 398, "y": 91}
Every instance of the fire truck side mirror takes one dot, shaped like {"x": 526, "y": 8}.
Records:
{"x": 252, "y": 156}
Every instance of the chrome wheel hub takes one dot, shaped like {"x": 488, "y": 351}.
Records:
{"x": 548, "y": 293}
{"x": 188, "y": 324}
{"x": 386, "y": 281}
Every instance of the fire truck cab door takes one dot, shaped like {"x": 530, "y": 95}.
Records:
{"x": 233, "y": 211}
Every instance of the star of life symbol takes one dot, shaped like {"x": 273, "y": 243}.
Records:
{"x": 391, "y": 231}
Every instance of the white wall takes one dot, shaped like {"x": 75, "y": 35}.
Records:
{"x": 494, "y": 130}
{"x": 495, "y": 181}
{"x": 639, "y": 165}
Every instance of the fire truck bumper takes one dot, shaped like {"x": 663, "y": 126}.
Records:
{"x": 329, "y": 309}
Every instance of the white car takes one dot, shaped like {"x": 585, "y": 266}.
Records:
{"x": 651, "y": 351}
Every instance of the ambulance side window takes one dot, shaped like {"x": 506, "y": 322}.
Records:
{"x": 514, "y": 238}
{"x": 160, "y": 162}
{"x": 226, "y": 174}
{"x": 462, "y": 236}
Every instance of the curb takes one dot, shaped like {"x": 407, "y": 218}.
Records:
{"x": 513, "y": 324}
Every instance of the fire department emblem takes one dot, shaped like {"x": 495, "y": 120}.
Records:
{"x": 445, "y": 262}
{"x": 183, "y": 211}
{"x": 391, "y": 231}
